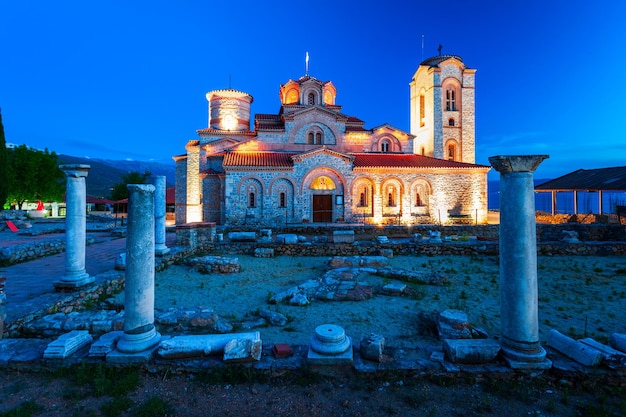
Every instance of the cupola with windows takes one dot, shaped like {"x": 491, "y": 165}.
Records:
{"x": 229, "y": 110}
{"x": 308, "y": 91}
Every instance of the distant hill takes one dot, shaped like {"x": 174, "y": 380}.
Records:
{"x": 104, "y": 173}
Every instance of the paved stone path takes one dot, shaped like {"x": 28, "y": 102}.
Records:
{"x": 30, "y": 285}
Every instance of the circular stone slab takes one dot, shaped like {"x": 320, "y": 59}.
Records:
{"x": 330, "y": 339}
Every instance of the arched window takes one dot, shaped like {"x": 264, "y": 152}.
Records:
{"x": 282, "y": 200}
{"x": 418, "y": 200}
{"x": 451, "y": 152}
{"x": 251, "y": 200}
{"x": 450, "y": 99}
{"x": 385, "y": 145}
{"x": 318, "y": 138}
{"x": 423, "y": 151}
{"x": 311, "y": 99}
{"x": 311, "y": 138}
{"x": 451, "y": 121}
{"x": 363, "y": 199}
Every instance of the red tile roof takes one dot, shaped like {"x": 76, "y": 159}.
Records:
{"x": 258, "y": 159}
{"x": 361, "y": 160}
{"x": 268, "y": 122}
{"x": 394, "y": 160}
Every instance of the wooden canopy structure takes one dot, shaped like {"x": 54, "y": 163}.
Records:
{"x": 586, "y": 180}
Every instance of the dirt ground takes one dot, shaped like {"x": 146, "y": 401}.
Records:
{"x": 240, "y": 393}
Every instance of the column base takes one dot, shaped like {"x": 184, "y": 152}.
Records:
{"x": 135, "y": 343}
{"x": 74, "y": 280}
{"x": 160, "y": 250}
{"x": 534, "y": 358}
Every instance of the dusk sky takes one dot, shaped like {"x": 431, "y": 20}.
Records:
{"x": 127, "y": 79}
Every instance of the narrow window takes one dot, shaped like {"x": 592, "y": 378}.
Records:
{"x": 423, "y": 150}
{"x": 384, "y": 146}
{"x": 451, "y": 122}
{"x": 450, "y": 100}
{"x": 311, "y": 140}
{"x": 311, "y": 99}
{"x": 422, "y": 111}
{"x": 251, "y": 200}
{"x": 451, "y": 152}
{"x": 418, "y": 200}
{"x": 363, "y": 198}
{"x": 391, "y": 202}
{"x": 318, "y": 138}
{"x": 283, "y": 200}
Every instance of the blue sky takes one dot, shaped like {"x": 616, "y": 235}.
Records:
{"x": 127, "y": 79}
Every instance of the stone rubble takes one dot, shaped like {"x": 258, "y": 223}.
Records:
{"x": 210, "y": 264}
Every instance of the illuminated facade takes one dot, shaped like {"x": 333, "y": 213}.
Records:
{"x": 312, "y": 163}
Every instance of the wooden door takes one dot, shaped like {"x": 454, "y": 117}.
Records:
{"x": 322, "y": 208}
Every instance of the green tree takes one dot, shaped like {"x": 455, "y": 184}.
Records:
{"x": 36, "y": 176}
{"x": 5, "y": 180}
{"x": 120, "y": 191}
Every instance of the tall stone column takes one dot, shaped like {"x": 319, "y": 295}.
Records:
{"x": 75, "y": 228}
{"x": 518, "y": 262}
{"x": 140, "y": 334}
{"x": 160, "y": 203}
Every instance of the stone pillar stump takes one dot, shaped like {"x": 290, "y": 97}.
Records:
{"x": 160, "y": 248}
{"x": 518, "y": 262}
{"x": 75, "y": 228}
{"x": 139, "y": 332}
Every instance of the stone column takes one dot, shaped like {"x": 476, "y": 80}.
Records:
{"x": 518, "y": 262}
{"x": 75, "y": 228}
{"x": 159, "y": 216}
{"x": 140, "y": 334}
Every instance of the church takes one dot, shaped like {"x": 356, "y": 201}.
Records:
{"x": 313, "y": 163}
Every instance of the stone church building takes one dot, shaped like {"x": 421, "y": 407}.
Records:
{"x": 312, "y": 163}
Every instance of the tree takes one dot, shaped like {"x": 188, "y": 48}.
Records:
{"x": 120, "y": 191}
{"x": 5, "y": 180}
{"x": 36, "y": 175}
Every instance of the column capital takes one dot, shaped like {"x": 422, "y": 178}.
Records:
{"x": 516, "y": 163}
{"x": 75, "y": 170}
{"x": 146, "y": 188}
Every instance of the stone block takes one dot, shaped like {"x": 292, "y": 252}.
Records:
{"x": 287, "y": 238}
{"x": 471, "y": 351}
{"x": 613, "y": 358}
{"x": 618, "y": 341}
{"x": 242, "y": 236}
{"x": 120, "y": 262}
{"x": 264, "y": 252}
{"x": 105, "y": 344}
{"x": 343, "y": 236}
{"x": 394, "y": 288}
{"x": 581, "y": 353}
{"x": 372, "y": 347}
{"x": 453, "y": 324}
{"x": 243, "y": 350}
{"x": 67, "y": 344}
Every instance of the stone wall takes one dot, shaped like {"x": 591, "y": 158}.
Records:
{"x": 545, "y": 232}
{"x": 21, "y": 253}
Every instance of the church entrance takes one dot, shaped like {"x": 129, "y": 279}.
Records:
{"x": 322, "y": 208}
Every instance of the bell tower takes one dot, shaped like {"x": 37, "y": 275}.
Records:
{"x": 442, "y": 106}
